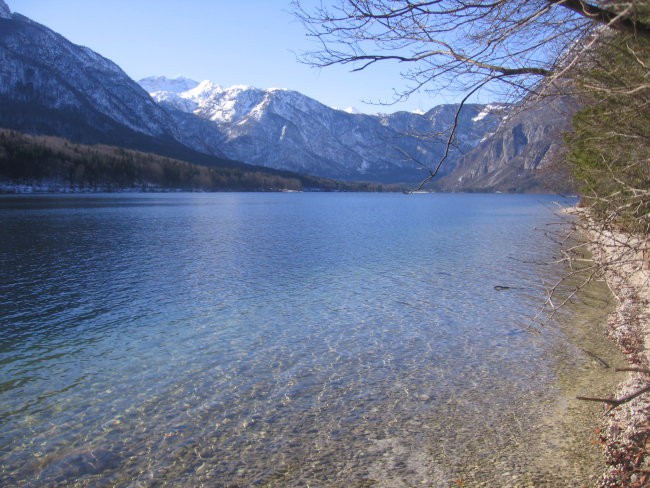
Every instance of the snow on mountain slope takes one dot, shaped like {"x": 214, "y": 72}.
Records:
{"x": 287, "y": 130}
{"x": 164, "y": 84}
{"x": 41, "y": 67}
{"x": 51, "y": 86}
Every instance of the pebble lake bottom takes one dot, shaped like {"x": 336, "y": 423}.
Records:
{"x": 299, "y": 339}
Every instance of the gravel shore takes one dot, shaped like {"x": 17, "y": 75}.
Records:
{"x": 626, "y": 430}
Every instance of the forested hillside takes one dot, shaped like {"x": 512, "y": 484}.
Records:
{"x": 58, "y": 164}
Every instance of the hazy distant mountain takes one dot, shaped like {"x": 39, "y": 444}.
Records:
{"x": 164, "y": 84}
{"x": 285, "y": 129}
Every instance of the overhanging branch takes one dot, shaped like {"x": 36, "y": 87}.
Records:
{"x": 613, "y": 20}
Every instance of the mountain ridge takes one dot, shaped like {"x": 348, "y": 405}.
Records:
{"x": 51, "y": 86}
{"x": 285, "y": 129}
{"x": 5, "y": 12}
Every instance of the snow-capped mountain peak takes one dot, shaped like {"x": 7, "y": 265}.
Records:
{"x": 232, "y": 104}
{"x": 201, "y": 92}
{"x": 179, "y": 84}
{"x": 285, "y": 129}
{"x": 5, "y": 13}
{"x": 211, "y": 101}
{"x": 204, "y": 87}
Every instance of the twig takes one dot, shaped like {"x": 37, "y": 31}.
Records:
{"x": 613, "y": 402}
{"x": 634, "y": 370}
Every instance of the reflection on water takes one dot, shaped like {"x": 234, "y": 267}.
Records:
{"x": 281, "y": 340}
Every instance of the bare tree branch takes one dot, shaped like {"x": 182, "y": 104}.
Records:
{"x": 509, "y": 45}
{"x": 621, "y": 21}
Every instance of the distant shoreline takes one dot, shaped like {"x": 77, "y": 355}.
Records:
{"x": 45, "y": 188}
{"x": 58, "y": 189}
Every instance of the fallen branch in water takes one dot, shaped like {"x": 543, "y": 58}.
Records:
{"x": 596, "y": 358}
{"x": 634, "y": 370}
{"x": 617, "y": 402}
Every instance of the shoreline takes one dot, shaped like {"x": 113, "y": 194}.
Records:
{"x": 626, "y": 428}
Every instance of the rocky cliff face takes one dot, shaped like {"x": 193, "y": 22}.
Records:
{"x": 286, "y": 130}
{"x": 522, "y": 154}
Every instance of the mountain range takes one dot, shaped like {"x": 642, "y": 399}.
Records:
{"x": 287, "y": 130}
{"x": 50, "y": 86}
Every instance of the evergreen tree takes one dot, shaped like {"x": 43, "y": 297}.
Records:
{"x": 610, "y": 144}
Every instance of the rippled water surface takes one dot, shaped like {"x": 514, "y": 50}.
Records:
{"x": 279, "y": 340}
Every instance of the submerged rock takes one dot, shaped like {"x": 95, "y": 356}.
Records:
{"x": 80, "y": 463}
{"x": 501, "y": 288}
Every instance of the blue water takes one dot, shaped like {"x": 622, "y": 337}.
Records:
{"x": 269, "y": 339}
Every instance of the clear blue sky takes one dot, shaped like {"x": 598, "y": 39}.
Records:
{"x": 230, "y": 42}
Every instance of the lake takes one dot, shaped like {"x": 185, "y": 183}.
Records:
{"x": 290, "y": 339}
